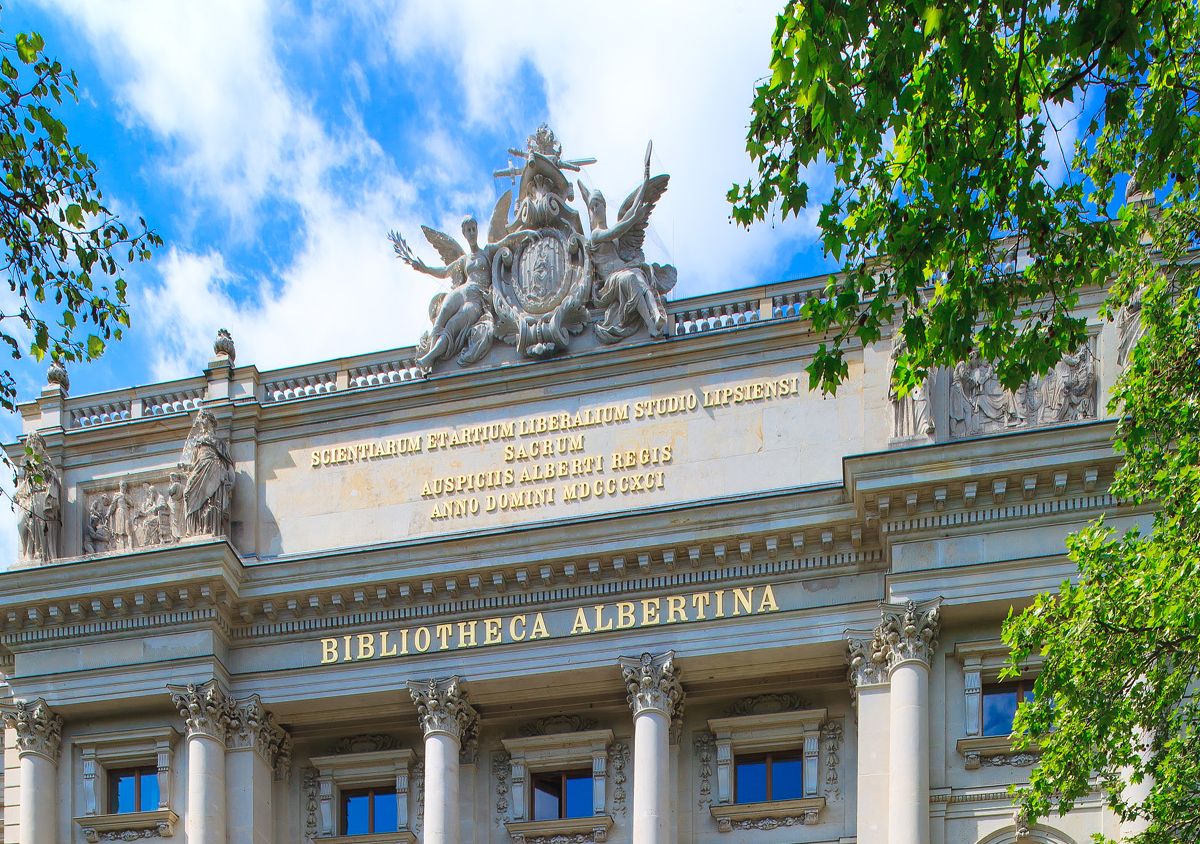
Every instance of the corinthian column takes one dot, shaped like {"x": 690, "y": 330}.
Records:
{"x": 451, "y": 726}
{"x": 209, "y": 713}
{"x": 39, "y": 737}
{"x": 908, "y": 634}
{"x": 869, "y": 687}
{"x": 656, "y": 698}
{"x": 260, "y": 751}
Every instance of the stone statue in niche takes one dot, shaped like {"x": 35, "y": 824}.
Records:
{"x": 910, "y": 413}
{"x": 38, "y": 500}
{"x": 630, "y": 290}
{"x": 979, "y": 403}
{"x": 208, "y": 490}
{"x": 541, "y": 279}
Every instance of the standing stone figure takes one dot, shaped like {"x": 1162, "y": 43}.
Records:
{"x": 910, "y": 413}
{"x": 208, "y": 492}
{"x": 176, "y": 507}
{"x": 463, "y": 322}
{"x": 150, "y": 526}
{"x": 631, "y": 291}
{"x": 38, "y": 498}
{"x": 121, "y": 515}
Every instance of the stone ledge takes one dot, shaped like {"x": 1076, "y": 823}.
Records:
{"x": 771, "y": 814}
{"x": 978, "y": 751}
{"x": 157, "y": 824}
{"x": 593, "y": 828}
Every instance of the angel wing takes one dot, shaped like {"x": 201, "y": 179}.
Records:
{"x": 446, "y": 246}
{"x": 629, "y": 247}
{"x": 498, "y": 228}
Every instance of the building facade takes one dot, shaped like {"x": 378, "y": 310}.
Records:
{"x": 594, "y": 568}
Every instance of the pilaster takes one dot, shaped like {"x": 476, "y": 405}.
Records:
{"x": 38, "y": 731}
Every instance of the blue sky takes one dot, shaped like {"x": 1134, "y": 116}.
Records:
{"x": 274, "y": 145}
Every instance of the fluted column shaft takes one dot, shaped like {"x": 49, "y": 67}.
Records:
{"x": 39, "y": 738}
{"x": 450, "y": 725}
{"x": 209, "y": 713}
{"x": 656, "y": 698}
{"x": 909, "y": 634}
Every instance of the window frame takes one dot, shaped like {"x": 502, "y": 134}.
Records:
{"x": 370, "y": 791}
{"x": 562, "y": 775}
{"x": 981, "y": 663}
{"x": 150, "y": 749}
{"x": 795, "y": 754}
{"x": 139, "y": 773}
{"x": 558, "y": 753}
{"x": 343, "y": 773}
{"x": 1020, "y": 686}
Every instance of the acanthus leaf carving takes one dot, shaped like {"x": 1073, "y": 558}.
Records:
{"x": 705, "y": 744}
{"x": 620, "y": 765}
{"x": 652, "y": 684}
{"x": 443, "y": 706}
{"x": 38, "y": 728}
{"x": 206, "y": 709}
{"x": 768, "y": 704}
{"x": 910, "y": 631}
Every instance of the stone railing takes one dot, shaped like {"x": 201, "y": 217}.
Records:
{"x": 697, "y": 315}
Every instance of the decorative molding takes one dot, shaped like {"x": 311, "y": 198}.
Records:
{"x": 553, "y": 724}
{"x": 769, "y": 815}
{"x": 831, "y": 738}
{"x": 652, "y": 684}
{"x": 38, "y": 727}
{"x": 910, "y": 631}
{"x": 757, "y": 733}
{"x": 501, "y": 769}
{"x": 768, "y": 704}
{"x": 130, "y": 826}
{"x": 366, "y": 743}
{"x": 253, "y": 726}
{"x": 418, "y": 785}
{"x": 994, "y": 752}
{"x": 443, "y": 706}
{"x": 206, "y": 709}
{"x": 705, "y": 744}
{"x": 867, "y": 659}
{"x": 558, "y": 752}
{"x": 589, "y": 830}
{"x": 312, "y": 803}
{"x": 620, "y": 764}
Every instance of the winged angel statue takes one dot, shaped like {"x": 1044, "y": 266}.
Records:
{"x": 540, "y": 278}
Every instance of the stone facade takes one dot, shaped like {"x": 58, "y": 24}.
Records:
{"x": 642, "y": 557}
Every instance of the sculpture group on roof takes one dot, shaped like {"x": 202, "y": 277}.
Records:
{"x": 541, "y": 278}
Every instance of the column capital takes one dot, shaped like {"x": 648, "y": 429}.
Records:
{"x": 253, "y": 726}
{"x": 205, "y": 708}
{"x": 909, "y": 631}
{"x": 652, "y": 684}
{"x": 867, "y": 659}
{"x": 38, "y": 727}
{"x": 443, "y": 706}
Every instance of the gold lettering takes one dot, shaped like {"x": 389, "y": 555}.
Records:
{"x": 491, "y": 631}
{"x": 719, "y": 600}
{"x": 700, "y": 602}
{"x": 404, "y": 642}
{"x": 743, "y": 601}
{"x": 383, "y": 644}
{"x": 580, "y": 625}
{"x": 512, "y": 628}
{"x": 366, "y": 646}
{"x": 346, "y": 648}
{"x": 676, "y": 609}
{"x": 539, "y": 628}
{"x": 767, "y": 604}
{"x": 624, "y": 615}
{"x": 421, "y": 643}
{"x": 601, "y": 625}
{"x": 329, "y": 651}
{"x": 466, "y": 634}
{"x": 443, "y": 634}
{"x": 650, "y": 611}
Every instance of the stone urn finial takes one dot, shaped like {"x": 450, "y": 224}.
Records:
{"x": 57, "y": 374}
{"x": 224, "y": 346}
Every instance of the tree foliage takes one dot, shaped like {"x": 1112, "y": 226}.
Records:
{"x": 944, "y": 126}
{"x": 63, "y": 249}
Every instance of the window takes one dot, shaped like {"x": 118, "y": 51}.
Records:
{"x": 1000, "y": 702}
{"x": 132, "y": 790}
{"x": 561, "y": 794}
{"x": 369, "y": 810}
{"x": 768, "y": 776}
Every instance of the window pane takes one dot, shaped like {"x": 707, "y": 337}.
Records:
{"x": 123, "y": 795}
{"x": 786, "y": 776}
{"x": 547, "y": 790}
{"x": 751, "y": 781}
{"x": 358, "y": 814}
{"x": 149, "y": 791}
{"x": 999, "y": 707}
{"x": 579, "y": 796}
{"x": 385, "y": 811}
